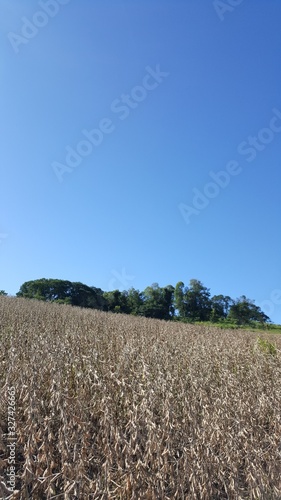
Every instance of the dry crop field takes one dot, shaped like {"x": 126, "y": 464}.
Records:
{"x": 117, "y": 407}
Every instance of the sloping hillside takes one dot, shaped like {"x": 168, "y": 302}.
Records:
{"x": 113, "y": 406}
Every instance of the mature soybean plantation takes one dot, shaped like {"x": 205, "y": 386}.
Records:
{"x": 117, "y": 407}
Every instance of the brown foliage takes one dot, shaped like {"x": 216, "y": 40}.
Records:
{"x": 118, "y": 407}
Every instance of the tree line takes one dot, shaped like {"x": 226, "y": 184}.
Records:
{"x": 190, "y": 303}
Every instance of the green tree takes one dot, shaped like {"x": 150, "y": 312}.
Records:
{"x": 179, "y": 300}
{"x": 42, "y": 289}
{"x": 63, "y": 292}
{"x": 98, "y": 302}
{"x": 168, "y": 301}
{"x": 158, "y": 302}
{"x": 198, "y": 302}
{"x": 135, "y": 302}
{"x": 85, "y": 296}
{"x": 2, "y": 292}
{"x": 116, "y": 301}
{"x": 220, "y": 307}
{"x": 244, "y": 311}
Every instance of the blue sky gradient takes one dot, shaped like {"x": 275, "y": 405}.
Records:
{"x": 140, "y": 207}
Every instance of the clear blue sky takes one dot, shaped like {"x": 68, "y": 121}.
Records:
{"x": 114, "y": 220}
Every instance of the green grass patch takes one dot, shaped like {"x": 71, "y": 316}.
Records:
{"x": 266, "y": 347}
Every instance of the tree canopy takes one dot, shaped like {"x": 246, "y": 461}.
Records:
{"x": 243, "y": 311}
{"x": 64, "y": 292}
{"x": 186, "y": 303}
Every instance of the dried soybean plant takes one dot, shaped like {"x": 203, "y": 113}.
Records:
{"x": 109, "y": 406}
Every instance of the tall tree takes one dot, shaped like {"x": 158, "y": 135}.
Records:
{"x": 62, "y": 291}
{"x": 168, "y": 301}
{"x": 198, "y": 302}
{"x": 85, "y": 296}
{"x": 135, "y": 302}
{"x": 116, "y": 301}
{"x": 158, "y": 302}
{"x": 243, "y": 311}
{"x": 179, "y": 300}
{"x": 220, "y": 307}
